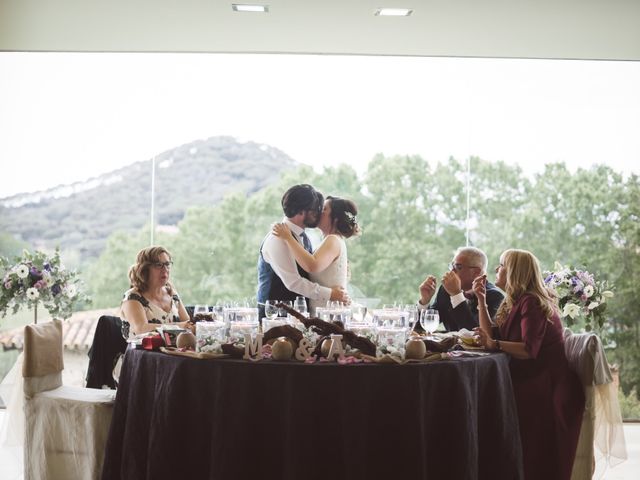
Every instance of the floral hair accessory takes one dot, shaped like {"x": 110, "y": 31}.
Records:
{"x": 351, "y": 218}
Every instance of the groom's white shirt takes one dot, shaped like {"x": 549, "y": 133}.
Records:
{"x": 277, "y": 254}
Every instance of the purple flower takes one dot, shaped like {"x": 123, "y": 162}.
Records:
{"x": 35, "y": 273}
{"x": 7, "y": 285}
{"x": 40, "y": 284}
{"x": 55, "y": 290}
{"x": 47, "y": 267}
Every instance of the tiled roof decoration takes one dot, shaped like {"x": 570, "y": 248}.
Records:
{"x": 77, "y": 331}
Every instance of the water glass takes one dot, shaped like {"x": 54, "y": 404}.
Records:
{"x": 429, "y": 319}
{"x": 282, "y": 312}
{"x": 323, "y": 314}
{"x": 300, "y": 305}
{"x": 270, "y": 308}
{"x": 358, "y": 313}
{"x": 413, "y": 315}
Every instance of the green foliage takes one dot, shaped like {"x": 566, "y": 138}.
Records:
{"x": 629, "y": 405}
{"x": 11, "y": 246}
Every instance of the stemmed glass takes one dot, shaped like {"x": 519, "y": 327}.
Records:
{"x": 300, "y": 305}
{"x": 412, "y": 310}
{"x": 429, "y": 319}
{"x": 282, "y": 311}
{"x": 270, "y": 309}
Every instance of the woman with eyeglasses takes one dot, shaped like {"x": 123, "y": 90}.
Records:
{"x": 548, "y": 393}
{"x": 151, "y": 300}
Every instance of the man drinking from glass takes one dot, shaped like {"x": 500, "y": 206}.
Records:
{"x": 455, "y": 301}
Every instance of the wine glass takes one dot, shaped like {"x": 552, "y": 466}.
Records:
{"x": 270, "y": 309}
{"x": 429, "y": 319}
{"x": 282, "y": 311}
{"x": 358, "y": 313}
{"x": 300, "y": 304}
{"x": 413, "y": 315}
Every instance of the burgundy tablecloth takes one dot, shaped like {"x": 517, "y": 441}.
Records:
{"x": 182, "y": 418}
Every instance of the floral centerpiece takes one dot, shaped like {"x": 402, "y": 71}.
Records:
{"x": 38, "y": 279}
{"x": 580, "y": 295}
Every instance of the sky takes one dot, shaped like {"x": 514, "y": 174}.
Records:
{"x": 66, "y": 117}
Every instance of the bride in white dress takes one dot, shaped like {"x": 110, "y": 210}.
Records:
{"x": 327, "y": 266}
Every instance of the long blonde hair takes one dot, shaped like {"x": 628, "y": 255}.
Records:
{"x": 524, "y": 277}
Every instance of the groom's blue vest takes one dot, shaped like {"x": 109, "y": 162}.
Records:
{"x": 270, "y": 286}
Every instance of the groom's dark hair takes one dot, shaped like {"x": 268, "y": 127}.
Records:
{"x": 300, "y": 198}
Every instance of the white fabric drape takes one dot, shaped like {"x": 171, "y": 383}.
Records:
{"x": 601, "y": 435}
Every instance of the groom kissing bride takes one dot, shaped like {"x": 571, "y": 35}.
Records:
{"x": 287, "y": 265}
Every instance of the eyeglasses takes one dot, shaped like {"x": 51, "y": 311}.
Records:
{"x": 159, "y": 265}
{"x": 459, "y": 266}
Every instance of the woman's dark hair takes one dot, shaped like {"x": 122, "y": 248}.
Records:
{"x": 300, "y": 198}
{"x": 343, "y": 216}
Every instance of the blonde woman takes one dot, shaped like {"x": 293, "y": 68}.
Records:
{"x": 151, "y": 300}
{"x": 548, "y": 394}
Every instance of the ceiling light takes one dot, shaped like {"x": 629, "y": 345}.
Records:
{"x": 241, "y": 7}
{"x": 394, "y": 12}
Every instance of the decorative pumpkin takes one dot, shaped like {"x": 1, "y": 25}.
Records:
{"x": 281, "y": 349}
{"x": 186, "y": 340}
{"x": 415, "y": 349}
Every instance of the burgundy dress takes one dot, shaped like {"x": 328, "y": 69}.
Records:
{"x": 549, "y": 396}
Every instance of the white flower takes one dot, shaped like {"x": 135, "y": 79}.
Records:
{"x": 22, "y": 271}
{"x": 32, "y": 293}
{"x": 71, "y": 290}
{"x": 571, "y": 310}
{"x": 588, "y": 291}
{"x": 592, "y": 305}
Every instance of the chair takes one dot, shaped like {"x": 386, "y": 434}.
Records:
{"x": 65, "y": 427}
{"x": 601, "y": 422}
{"x": 107, "y": 346}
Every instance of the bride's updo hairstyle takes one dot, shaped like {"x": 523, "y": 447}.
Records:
{"x": 343, "y": 216}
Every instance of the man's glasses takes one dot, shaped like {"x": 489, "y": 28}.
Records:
{"x": 456, "y": 267}
{"x": 159, "y": 265}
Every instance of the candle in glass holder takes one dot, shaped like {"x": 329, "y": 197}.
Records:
{"x": 367, "y": 330}
{"x": 269, "y": 323}
{"x": 394, "y": 336}
{"x": 209, "y": 336}
{"x": 238, "y": 329}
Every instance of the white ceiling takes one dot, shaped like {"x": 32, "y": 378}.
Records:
{"x": 567, "y": 29}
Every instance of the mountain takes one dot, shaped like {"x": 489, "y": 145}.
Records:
{"x": 82, "y": 215}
